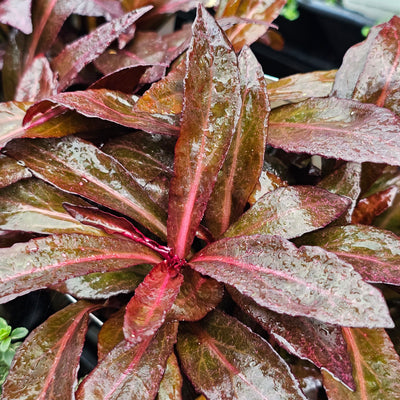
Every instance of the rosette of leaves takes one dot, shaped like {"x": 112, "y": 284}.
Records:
{"x": 181, "y": 208}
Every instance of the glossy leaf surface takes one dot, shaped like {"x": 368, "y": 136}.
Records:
{"x": 374, "y": 253}
{"x": 255, "y": 10}
{"x": 243, "y": 163}
{"x": 322, "y": 344}
{"x": 131, "y": 371}
{"x": 337, "y": 128}
{"x": 299, "y": 87}
{"x": 102, "y": 285}
{"x": 208, "y": 120}
{"x": 34, "y": 206}
{"x": 153, "y": 298}
{"x": 290, "y": 212}
{"x": 11, "y": 116}
{"x": 11, "y": 171}
{"x": 17, "y": 14}
{"x": 240, "y": 366}
{"x": 197, "y": 296}
{"x": 370, "y": 71}
{"x": 81, "y": 52}
{"x": 52, "y": 351}
{"x": 171, "y": 383}
{"x": 376, "y": 367}
{"x": 277, "y": 275}
{"x": 47, "y": 261}
{"x": 79, "y": 167}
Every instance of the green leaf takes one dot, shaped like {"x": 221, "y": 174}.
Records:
{"x": 11, "y": 171}
{"x": 47, "y": 261}
{"x": 211, "y": 100}
{"x": 52, "y": 351}
{"x": 5, "y": 343}
{"x": 153, "y": 298}
{"x": 374, "y": 253}
{"x": 290, "y": 212}
{"x": 322, "y": 344}
{"x": 198, "y": 295}
{"x": 19, "y": 333}
{"x": 79, "y": 167}
{"x": 131, "y": 371}
{"x": 307, "y": 281}
{"x": 376, "y": 367}
{"x": 337, "y": 128}
{"x": 299, "y": 87}
{"x": 102, "y": 285}
{"x": 243, "y": 163}
{"x": 225, "y": 366}
{"x": 34, "y": 206}
{"x": 171, "y": 383}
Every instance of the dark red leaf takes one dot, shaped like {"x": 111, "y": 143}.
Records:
{"x": 243, "y": 163}
{"x": 299, "y": 87}
{"x": 374, "y": 253}
{"x": 171, "y": 383}
{"x": 290, "y": 212}
{"x": 46, "y": 364}
{"x": 84, "y": 50}
{"x": 17, "y": 14}
{"x": 308, "y": 281}
{"x": 34, "y": 206}
{"x": 306, "y": 338}
{"x": 131, "y": 371}
{"x": 47, "y": 261}
{"x": 79, "y": 167}
{"x": 370, "y": 207}
{"x": 226, "y": 366}
{"x": 376, "y": 367}
{"x": 11, "y": 171}
{"x": 208, "y": 120}
{"x": 198, "y": 295}
{"x": 371, "y": 70}
{"x": 337, "y": 128}
{"x": 147, "y": 309}
{"x": 263, "y": 11}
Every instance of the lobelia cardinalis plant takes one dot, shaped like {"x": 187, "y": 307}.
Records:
{"x": 191, "y": 211}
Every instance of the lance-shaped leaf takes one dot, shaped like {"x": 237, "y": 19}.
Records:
{"x": 11, "y": 171}
{"x": 256, "y": 10}
{"x": 131, "y": 371}
{"x": 299, "y": 87}
{"x": 290, "y": 212}
{"x": 47, "y": 261}
{"x": 17, "y": 14}
{"x": 236, "y": 366}
{"x": 153, "y": 298}
{"x": 109, "y": 105}
{"x": 370, "y": 207}
{"x": 198, "y": 295}
{"x": 243, "y": 163}
{"x": 102, "y": 285}
{"x": 11, "y": 116}
{"x": 337, "y": 128}
{"x": 171, "y": 383}
{"x": 84, "y": 50}
{"x": 149, "y": 158}
{"x": 46, "y": 364}
{"x": 208, "y": 120}
{"x": 322, "y": 344}
{"x": 345, "y": 181}
{"x": 374, "y": 253}
{"x": 370, "y": 71}
{"x": 376, "y": 367}
{"x": 34, "y": 206}
{"x": 308, "y": 281}
{"x": 79, "y": 167}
